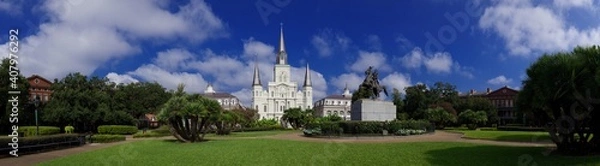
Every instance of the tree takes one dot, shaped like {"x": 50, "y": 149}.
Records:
{"x": 479, "y": 103}
{"x": 5, "y": 86}
{"x": 226, "y": 121}
{"x": 399, "y": 103}
{"x": 296, "y": 117}
{"x": 139, "y": 98}
{"x": 84, "y": 103}
{"x": 416, "y": 101}
{"x": 189, "y": 116}
{"x": 444, "y": 92}
{"x": 439, "y": 117}
{"x": 361, "y": 93}
{"x": 562, "y": 89}
{"x": 472, "y": 119}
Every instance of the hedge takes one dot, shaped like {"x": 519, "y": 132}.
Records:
{"x": 159, "y": 132}
{"x": 405, "y": 127}
{"x": 104, "y": 138}
{"x": 44, "y": 130}
{"x": 262, "y": 128}
{"x": 117, "y": 129}
{"x": 53, "y": 141}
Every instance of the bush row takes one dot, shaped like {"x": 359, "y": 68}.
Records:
{"x": 44, "y": 130}
{"x": 104, "y": 138}
{"x": 117, "y": 129}
{"x": 27, "y": 145}
{"x": 159, "y": 132}
{"x": 405, "y": 127}
{"x": 261, "y": 128}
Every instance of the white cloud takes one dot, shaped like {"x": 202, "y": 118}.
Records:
{"x": 11, "y": 7}
{"x": 396, "y": 80}
{"x": 353, "y": 80}
{"x": 439, "y": 63}
{"x": 326, "y": 42}
{"x": 464, "y": 71}
{"x": 194, "y": 82}
{"x": 260, "y": 50}
{"x": 500, "y": 80}
{"x": 86, "y": 35}
{"x": 172, "y": 59}
{"x": 565, "y": 4}
{"x": 120, "y": 79}
{"x": 245, "y": 96}
{"x": 366, "y": 59}
{"x": 414, "y": 59}
{"x": 319, "y": 85}
{"x": 534, "y": 29}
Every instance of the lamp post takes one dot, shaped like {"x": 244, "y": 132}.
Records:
{"x": 36, "y": 103}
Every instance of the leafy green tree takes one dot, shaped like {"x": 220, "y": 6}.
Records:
{"x": 416, "y": 101}
{"x": 226, "y": 121}
{"x": 23, "y": 98}
{"x": 399, "y": 103}
{"x": 189, "y": 116}
{"x": 139, "y": 98}
{"x": 360, "y": 94}
{"x": 439, "y": 117}
{"x": 472, "y": 119}
{"x": 85, "y": 103}
{"x": 297, "y": 117}
{"x": 562, "y": 90}
{"x": 479, "y": 103}
{"x": 443, "y": 92}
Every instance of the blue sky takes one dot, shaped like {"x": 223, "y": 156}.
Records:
{"x": 471, "y": 44}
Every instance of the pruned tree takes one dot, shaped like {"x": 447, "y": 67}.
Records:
{"x": 562, "y": 90}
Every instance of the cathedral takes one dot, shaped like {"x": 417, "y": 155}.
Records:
{"x": 282, "y": 93}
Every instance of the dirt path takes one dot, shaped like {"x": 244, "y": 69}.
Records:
{"x": 438, "y": 136}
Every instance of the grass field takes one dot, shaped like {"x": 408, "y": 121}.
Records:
{"x": 286, "y": 152}
{"x": 515, "y": 136}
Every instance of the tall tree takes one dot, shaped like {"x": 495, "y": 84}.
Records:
{"x": 563, "y": 90}
{"x": 140, "y": 98}
{"x": 6, "y": 82}
{"x": 479, "y": 103}
{"x": 399, "y": 103}
{"x": 416, "y": 101}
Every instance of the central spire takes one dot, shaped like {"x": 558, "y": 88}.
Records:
{"x": 281, "y": 55}
{"x": 281, "y": 44}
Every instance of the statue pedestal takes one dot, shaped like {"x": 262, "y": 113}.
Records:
{"x": 373, "y": 110}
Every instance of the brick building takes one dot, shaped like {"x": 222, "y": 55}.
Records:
{"x": 504, "y": 99}
{"x": 39, "y": 87}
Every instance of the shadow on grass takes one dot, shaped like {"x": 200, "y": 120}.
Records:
{"x": 499, "y": 155}
{"x": 525, "y": 138}
{"x": 174, "y": 140}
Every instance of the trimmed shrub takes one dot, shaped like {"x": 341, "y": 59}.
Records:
{"x": 49, "y": 142}
{"x": 105, "y": 138}
{"x": 405, "y": 127}
{"x": 117, "y": 129}
{"x": 517, "y": 128}
{"x": 262, "y": 128}
{"x": 159, "y": 132}
{"x": 44, "y": 130}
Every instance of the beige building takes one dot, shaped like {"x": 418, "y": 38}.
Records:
{"x": 226, "y": 100}
{"x": 335, "y": 104}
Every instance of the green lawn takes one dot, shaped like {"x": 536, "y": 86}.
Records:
{"x": 515, "y": 136}
{"x": 286, "y": 152}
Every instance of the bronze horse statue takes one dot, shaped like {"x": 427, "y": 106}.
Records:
{"x": 371, "y": 83}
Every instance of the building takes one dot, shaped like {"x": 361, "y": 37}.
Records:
{"x": 39, "y": 87}
{"x": 504, "y": 99}
{"x": 335, "y": 105}
{"x": 226, "y": 100}
{"x": 281, "y": 92}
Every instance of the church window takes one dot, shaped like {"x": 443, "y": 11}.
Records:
{"x": 256, "y": 107}
{"x": 272, "y": 94}
{"x": 265, "y": 109}
{"x": 335, "y": 112}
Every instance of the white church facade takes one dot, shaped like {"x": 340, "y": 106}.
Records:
{"x": 281, "y": 92}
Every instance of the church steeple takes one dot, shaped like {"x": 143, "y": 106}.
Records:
{"x": 307, "y": 81}
{"x": 281, "y": 54}
{"x": 256, "y": 78}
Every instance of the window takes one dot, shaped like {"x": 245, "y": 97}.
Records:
{"x": 335, "y": 112}
{"x": 328, "y": 112}
{"x": 272, "y": 94}
{"x": 265, "y": 109}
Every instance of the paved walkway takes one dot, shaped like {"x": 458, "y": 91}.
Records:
{"x": 438, "y": 136}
